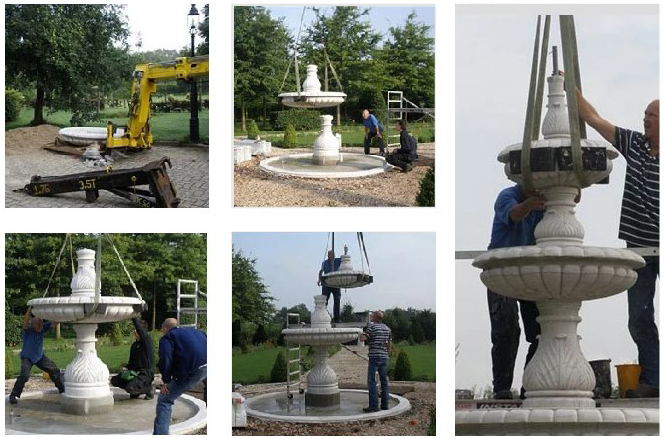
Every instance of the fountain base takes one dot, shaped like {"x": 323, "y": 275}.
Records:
{"x": 278, "y": 407}
{"x": 351, "y": 165}
{"x": 316, "y": 400}
{"x": 86, "y": 406}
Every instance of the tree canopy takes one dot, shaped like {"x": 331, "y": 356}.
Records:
{"x": 251, "y": 299}
{"x": 155, "y": 262}
{"x": 65, "y": 50}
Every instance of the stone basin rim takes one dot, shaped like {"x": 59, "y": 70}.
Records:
{"x": 380, "y": 167}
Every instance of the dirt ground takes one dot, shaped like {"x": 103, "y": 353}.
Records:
{"x": 254, "y": 187}
{"x": 30, "y": 138}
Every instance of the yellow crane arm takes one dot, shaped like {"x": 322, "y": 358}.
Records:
{"x": 144, "y": 82}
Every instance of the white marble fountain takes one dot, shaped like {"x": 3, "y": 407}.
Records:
{"x": 559, "y": 273}
{"x": 86, "y": 378}
{"x": 326, "y": 161}
{"x": 323, "y": 400}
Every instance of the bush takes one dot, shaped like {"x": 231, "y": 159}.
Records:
{"x": 431, "y": 429}
{"x": 427, "y": 194}
{"x": 290, "y": 137}
{"x": 9, "y": 368}
{"x": 252, "y": 130}
{"x": 403, "y": 370}
{"x": 12, "y": 327}
{"x": 13, "y": 104}
{"x": 117, "y": 337}
{"x": 259, "y": 336}
{"x": 302, "y": 119}
{"x": 278, "y": 373}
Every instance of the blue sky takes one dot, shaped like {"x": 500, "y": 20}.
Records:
{"x": 403, "y": 266}
{"x": 619, "y": 64}
{"x": 380, "y": 17}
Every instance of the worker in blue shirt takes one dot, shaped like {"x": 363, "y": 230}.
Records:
{"x": 32, "y": 354}
{"x": 329, "y": 265}
{"x": 183, "y": 364}
{"x": 372, "y": 128}
{"x": 516, "y": 214}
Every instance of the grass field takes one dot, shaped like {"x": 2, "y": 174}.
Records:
{"x": 351, "y": 135}
{"x": 422, "y": 361}
{"x": 63, "y": 351}
{"x": 165, "y": 126}
{"x": 247, "y": 368}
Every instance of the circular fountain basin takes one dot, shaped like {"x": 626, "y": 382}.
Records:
{"x": 39, "y": 412}
{"x": 301, "y": 165}
{"x": 312, "y": 99}
{"x": 347, "y": 279}
{"x": 85, "y": 135}
{"x": 321, "y": 336}
{"x": 278, "y": 407}
{"x": 558, "y": 272}
{"x": 73, "y": 309}
{"x": 630, "y": 421}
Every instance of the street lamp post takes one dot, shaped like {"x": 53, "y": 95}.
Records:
{"x": 193, "y": 18}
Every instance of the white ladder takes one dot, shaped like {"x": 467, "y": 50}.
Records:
{"x": 290, "y": 360}
{"x": 394, "y": 106}
{"x": 189, "y": 310}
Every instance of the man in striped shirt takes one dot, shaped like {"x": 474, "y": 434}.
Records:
{"x": 379, "y": 339}
{"x": 639, "y": 227}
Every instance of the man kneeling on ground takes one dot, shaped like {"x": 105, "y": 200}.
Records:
{"x": 137, "y": 377}
{"x": 404, "y": 156}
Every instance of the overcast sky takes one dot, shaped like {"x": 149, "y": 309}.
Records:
{"x": 380, "y": 17}
{"x": 160, "y": 27}
{"x": 618, "y": 53}
{"x": 403, "y": 266}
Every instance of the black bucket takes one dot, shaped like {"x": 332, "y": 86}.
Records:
{"x": 602, "y": 369}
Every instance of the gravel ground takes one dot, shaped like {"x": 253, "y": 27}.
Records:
{"x": 350, "y": 369}
{"x": 254, "y": 187}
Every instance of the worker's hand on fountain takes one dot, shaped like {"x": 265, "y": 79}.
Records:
{"x": 578, "y": 196}
{"x": 319, "y": 282}
{"x": 164, "y": 389}
{"x": 536, "y": 201}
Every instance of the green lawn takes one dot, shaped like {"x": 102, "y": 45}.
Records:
{"x": 165, "y": 126}
{"x": 247, "y": 368}
{"x": 63, "y": 351}
{"x": 422, "y": 361}
{"x": 351, "y": 135}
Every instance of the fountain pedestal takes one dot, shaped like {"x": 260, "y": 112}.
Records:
{"x": 326, "y": 145}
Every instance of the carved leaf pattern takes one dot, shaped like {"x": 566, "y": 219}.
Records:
{"x": 86, "y": 368}
{"x": 559, "y": 365}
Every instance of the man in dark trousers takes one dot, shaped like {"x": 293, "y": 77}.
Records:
{"x": 329, "y": 265}
{"x": 407, "y": 153}
{"x": 183, "y": 364}
{"x": 372, "y": 128}
{"x": 516, "y": 215}
{"x": 32, "y": 354}
{"x": 639, "y": 227}
{"x": 379, "y": 339}
{"x": 137, "y": 377}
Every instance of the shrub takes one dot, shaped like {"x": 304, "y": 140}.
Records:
{"x": 302, "y": 119}
{"x": 278, "y": 373}
{"x": 431, "y": 429}
{"x": 402, "y": 370}
{"x": 9, "y": 368}
{"x": 252, "y": 130}
{"x": 290, "y": 137}
{"x": 117, "y": 337}
{"x": 12, "y": 327}
{"x": 259, "y": 336}
{"x": 427, "y": 194}
{"x": 13, "y": 104}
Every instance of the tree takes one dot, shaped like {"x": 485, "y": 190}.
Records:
{"x": 251, "y": 301}
{"x": 410, "y": 51}
{"x": 349, "y": 42}
{"x": 303, "y": 311}
{"x": 260, "y": 58}
{"x": 290, "y": 137}
{"x": 63, "y": 51}
{"x": 403, "y": 370}
{"x": 260, "y": 336}
{"x": 204, "y": 31}
{"x": 347, "y": 314}
{"x": 278, "y": 372}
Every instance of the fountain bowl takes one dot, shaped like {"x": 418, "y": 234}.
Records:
{"x": 312, "y": 99}
{"x": 558, "y": 272}
{"x": 352, "y": 165}
{"x": 321, "y": 336}
{"x": 73, "y": 309}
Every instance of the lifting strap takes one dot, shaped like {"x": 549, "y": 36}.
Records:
{"x": 363, "y": 248}
{"x": 131, "y": 281}
{"x": 57, "y": 263}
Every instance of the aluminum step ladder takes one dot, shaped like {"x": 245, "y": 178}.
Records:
{"x": 290, "y": 359}
{"x": 394, "y": 112}
{"x": 189, "y": 310}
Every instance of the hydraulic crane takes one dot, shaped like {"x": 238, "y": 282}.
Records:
{"x": 137, "y": 134}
